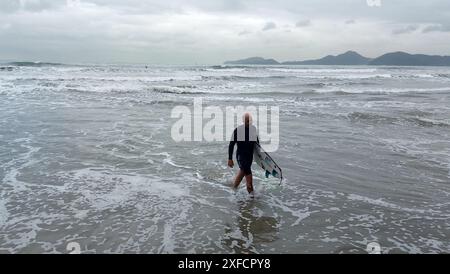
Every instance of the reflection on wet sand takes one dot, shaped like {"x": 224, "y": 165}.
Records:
{"x": 250, "y": 230}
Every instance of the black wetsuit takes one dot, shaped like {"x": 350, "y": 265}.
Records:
{"x": 245, "y": 145}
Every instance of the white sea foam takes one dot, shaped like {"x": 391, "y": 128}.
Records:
{"x": 380, "y": 202}
{"x": 301, "y": 70}
{"x": 126, "y": 187}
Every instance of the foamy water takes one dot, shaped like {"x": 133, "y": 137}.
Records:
{"x": 86, "y": 156}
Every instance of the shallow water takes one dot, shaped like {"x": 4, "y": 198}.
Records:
{"x": 86, "y": 156}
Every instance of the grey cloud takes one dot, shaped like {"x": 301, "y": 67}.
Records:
{"x": 436, "y": 28}
{"x": 244, "y": 32}
{"x": 10, "y": 6}
{"x": 393, "y": 11}
{"x": 350, "y": 22}
{"x": 173, "y": 6}
{"x": 303, "y": 23}
{"x": 269, "y": 26}
{"x": 221, "y": 5}
{"x": 405, "y": 30}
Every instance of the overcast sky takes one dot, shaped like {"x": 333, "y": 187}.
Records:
{"x": 211, "y": 31}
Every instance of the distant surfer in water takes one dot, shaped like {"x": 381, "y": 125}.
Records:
{"x": 245, "y": 136}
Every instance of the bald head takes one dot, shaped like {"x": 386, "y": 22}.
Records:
{"x": 247, "y": 119}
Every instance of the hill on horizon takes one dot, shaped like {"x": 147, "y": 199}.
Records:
{"x": 352, "y": 58}
{"x": 253, "y": 61}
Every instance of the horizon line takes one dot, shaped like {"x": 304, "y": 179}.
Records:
{"x": 11, "y": 61}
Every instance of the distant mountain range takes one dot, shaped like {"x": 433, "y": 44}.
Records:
{"x": 351, "y": 58}
{"x": 405, "y": 59}
{"x": 348, "y": 58}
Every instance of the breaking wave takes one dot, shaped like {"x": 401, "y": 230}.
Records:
{"x": 35, "y": 64}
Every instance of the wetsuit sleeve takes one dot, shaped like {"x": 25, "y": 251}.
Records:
{"x": 231, "y": 146}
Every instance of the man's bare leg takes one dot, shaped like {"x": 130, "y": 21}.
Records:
{"x": 238, "y": 179}
{"x": 249, "y": 179}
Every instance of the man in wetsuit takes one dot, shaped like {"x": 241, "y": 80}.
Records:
{"x": 245, "y": 136}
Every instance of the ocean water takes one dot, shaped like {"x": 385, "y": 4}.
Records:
{"x": 86, "y": 156}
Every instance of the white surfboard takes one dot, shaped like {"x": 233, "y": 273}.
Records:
{"x": 266, "y": 162}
